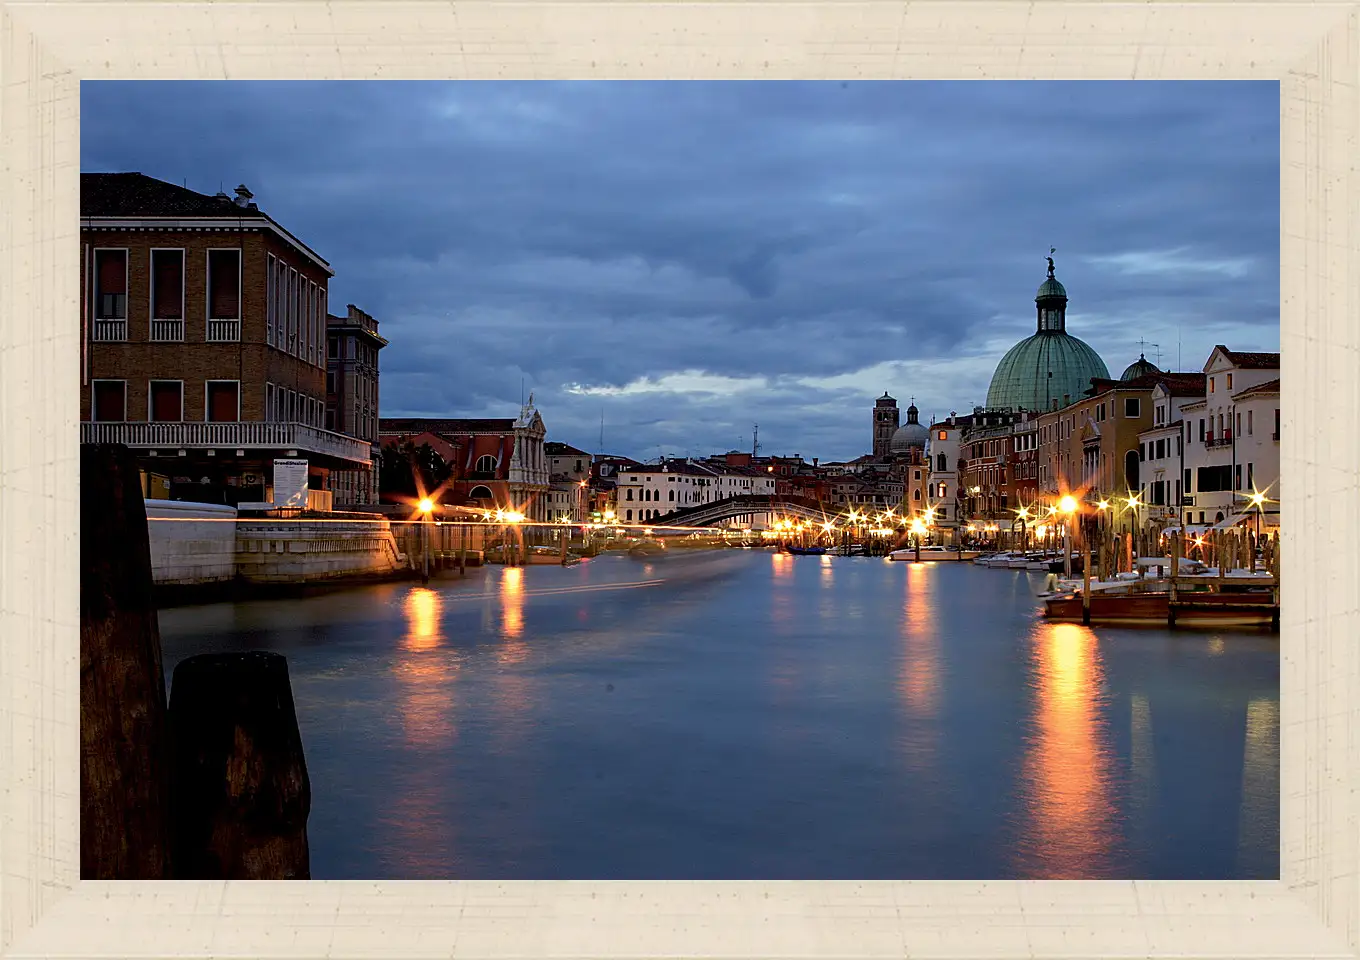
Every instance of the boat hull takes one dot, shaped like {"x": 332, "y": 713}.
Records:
{"x": 1155, "y": 609}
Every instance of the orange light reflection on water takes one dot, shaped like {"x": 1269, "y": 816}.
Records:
{"x": 1067, "y": 766}
{"x": 512, "y": 616}
{"x": 424, "y": 672}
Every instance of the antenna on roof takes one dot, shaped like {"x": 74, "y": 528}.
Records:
{"x": 755, "y": 440}
{"x": 602, "y": 429}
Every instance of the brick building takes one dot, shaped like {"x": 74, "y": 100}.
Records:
{"x": 499, "y": 463}
{"x": 353, "y": 343}
{"x": 203, "y": 335}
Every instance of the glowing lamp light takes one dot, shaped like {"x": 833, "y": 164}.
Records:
{"x": 513, "y": 516}
{"x": 1103, "y": 505}
{"x": 1067, "y": 505}
{"x": 426, "y": 505}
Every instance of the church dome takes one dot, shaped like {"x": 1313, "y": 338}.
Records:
{"x": 910, "y": 434}
{"x": 1139, "y": 368}
{"x": 1050, "y": 366}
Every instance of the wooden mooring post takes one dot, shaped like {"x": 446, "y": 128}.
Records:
{"x": 1175, "y": 572}
{"x": 1086, "y": 584}
{"x": 124, "y": 731}
{"x": 240, "y": 790}
{"x": 462, "y": 549}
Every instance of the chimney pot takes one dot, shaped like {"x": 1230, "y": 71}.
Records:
{"x": 243, "y": 195}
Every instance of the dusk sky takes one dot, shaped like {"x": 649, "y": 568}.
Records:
{"x": 691, "y": 258}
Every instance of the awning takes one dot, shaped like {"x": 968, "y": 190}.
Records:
{"x": 1231, "y": 522}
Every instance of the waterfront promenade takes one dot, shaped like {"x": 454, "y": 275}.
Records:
{"x": 745, "y": 714}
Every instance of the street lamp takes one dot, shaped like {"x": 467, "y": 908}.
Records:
{"x": 1258, "y": 501}
{"x": 917, "y": 528}
{"x": 426, "y": 507}
{"x": 1068, "y": 506}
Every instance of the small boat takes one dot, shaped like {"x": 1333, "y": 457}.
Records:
{"x": 807, "y": 551}
{"x": 999, "y": 560}
{"x": 982, "y": 558}
{"x": 1154, "y": 608}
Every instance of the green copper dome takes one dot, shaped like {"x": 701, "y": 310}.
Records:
{"x": 1050, "y": 366}
{"x": 1042, "y": 368}
{"x": 1139, "y": 368}
{"x": 1051, "y": 288}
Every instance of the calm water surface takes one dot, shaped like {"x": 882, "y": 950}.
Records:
{"x": 748, "y": 715}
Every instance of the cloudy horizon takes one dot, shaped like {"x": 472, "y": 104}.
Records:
{"x": 688, "y": 259}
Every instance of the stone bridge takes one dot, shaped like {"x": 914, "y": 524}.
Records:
{"x": 709, "y": 514}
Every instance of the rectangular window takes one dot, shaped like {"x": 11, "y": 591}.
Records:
{"x": 1251, "y": 483}
{"x": 167, "y": 284}
{"x": 1237, "y": 477}
{"x": 223, "y": 401}
{"x": 1277, "y": 424}
{"x": 1211, "y": 384}
{"x": 224, "y": 284}
{"x": 1189, "y": 485}
{"x": 1201, "y": 431}
{"x": 167, "y": 401}
{"x": 109, "y": 400}
{"x": 269, "y": 313}
{"x": 1238, "y": 427}
{"x": 1249, "y": 422}
{"x": 1229, "y": 384}
{"x": 1215, "y": 479}
{"x": 1132, "y": 407}
{"x": 110, "y": 293}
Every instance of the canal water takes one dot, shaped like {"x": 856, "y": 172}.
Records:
{"x": 749, "y": 715}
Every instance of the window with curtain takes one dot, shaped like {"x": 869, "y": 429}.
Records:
{"x": 224, "y": 284}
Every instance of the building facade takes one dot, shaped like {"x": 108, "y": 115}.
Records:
{"x": 1229, "y": 453}
{"x": 203, "y": 340}
{"x": 352, "y": 345}
{"x": 568, "y": 482}
{"x": 1162, "y": 446}
{"x": 945, "y": 488}
{"x": 501, "y": 463}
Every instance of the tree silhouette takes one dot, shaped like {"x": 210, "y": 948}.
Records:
{"x": 399, "y": 466}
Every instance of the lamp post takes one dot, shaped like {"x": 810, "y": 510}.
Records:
{"x": 1068, "y": 506}
{"x": 426, "y": 507}
{"x": 1258, "y": 501}
{"x": 917, "y": 528}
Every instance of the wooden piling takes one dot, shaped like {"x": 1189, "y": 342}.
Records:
{"x": 124, "y": 735}
{"x": 1086, "y": 584}
{"x": 1175, "y": 572}
{"x": 240, "y": 790}
{"x": 462, "y": 549}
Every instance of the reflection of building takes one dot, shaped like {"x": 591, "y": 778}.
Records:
{"x": 204, "y": 339}
{"x": 1049, "y": 369}
{"x": 352, "y": 397}
{"x": 500, "y": 462}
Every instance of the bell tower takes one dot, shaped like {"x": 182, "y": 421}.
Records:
{"x": 886, "y": 421}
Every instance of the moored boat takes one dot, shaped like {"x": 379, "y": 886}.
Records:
{"x": 807, "y": 551}
{"x": 1155, "y": 608}
{"x": 1001, "y": 560}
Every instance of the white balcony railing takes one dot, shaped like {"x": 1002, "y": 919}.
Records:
{"x": 110, "y": 331}
{"x": 224, "y": 331}
{"x": 167, "y": 331}
{"x": 241, "y": 435}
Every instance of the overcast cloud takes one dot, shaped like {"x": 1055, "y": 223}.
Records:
{"x": 689, "y": 259}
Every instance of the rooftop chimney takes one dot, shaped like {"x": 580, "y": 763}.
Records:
{"x": 243, "y": 196}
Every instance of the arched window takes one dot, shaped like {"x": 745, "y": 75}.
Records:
{"x": 916, "y": 494}
{"x": 672, "y": 496}
{"x": 629, "y": 518}
{"x": 630, "y": 494}
{"x": 480, "y": 493}
{"x": 940, "y": 463}
{"x": 486, "y": 464}
{"x": 1131, "y": 469}
{"x": 943, "y": 488}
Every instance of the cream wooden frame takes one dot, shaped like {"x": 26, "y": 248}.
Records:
{"x": 47, "y": 48}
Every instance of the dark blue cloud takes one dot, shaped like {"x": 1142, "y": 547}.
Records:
{"x": 692, "y": 258}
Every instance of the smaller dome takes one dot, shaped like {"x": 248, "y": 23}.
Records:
{"x": 1051, "y": 288}
{"x": 908, "y": 435}
{"x": 1139, "y": 368}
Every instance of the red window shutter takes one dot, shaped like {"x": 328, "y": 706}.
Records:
{"x": 168, "y": 267}
{"x": 222, "y": 402}
{"x": 108, "y": 401}
{"x": 112, "y": 272}
{"x": 224, "y": 275}
{"x": 165, "y": 401}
